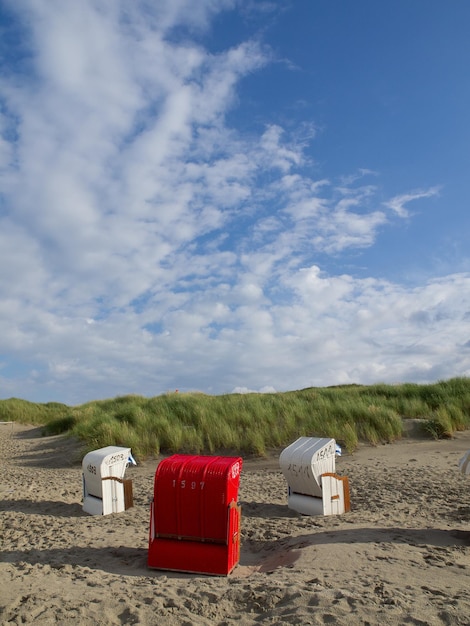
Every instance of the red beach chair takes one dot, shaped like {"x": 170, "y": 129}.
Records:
{"x": 194, "y": 516}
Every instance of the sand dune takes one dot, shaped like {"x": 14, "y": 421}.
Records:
{"x": 401, "y": 556}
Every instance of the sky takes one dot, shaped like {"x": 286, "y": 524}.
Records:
{"x": 232, "y": 195}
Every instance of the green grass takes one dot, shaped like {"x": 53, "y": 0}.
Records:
{"x": 253, "y": 423}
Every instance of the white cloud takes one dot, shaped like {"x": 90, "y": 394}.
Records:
{"x": 397, "y": 204}
{"x": 242, "y": 390}
{"x": 278, "y": 155}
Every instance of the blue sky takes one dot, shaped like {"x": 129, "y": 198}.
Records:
{"x": 232, "y": 195}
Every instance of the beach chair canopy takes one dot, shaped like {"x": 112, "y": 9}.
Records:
{"x": 464, "y": 463}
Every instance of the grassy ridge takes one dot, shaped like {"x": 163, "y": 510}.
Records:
{"x": 253, "y": 423}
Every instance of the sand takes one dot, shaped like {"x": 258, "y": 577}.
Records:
{"x": 400, "y": 556}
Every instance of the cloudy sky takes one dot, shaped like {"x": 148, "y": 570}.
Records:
{"x": 232, "y": 195}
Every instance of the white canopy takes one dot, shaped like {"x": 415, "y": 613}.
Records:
{"x": 464, "y": 463}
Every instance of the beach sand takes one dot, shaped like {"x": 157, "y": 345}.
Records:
{"x": 400, "y": 556}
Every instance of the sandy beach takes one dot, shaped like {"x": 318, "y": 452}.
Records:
{"x": 400, "y": 556}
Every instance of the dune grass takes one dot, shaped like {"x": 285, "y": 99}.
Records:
{"x": 253, "y": 423}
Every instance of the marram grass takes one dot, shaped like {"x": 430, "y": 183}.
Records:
{"x": 253, "y": 423}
